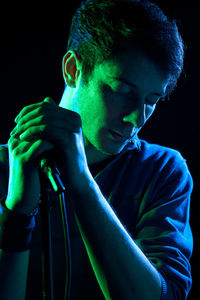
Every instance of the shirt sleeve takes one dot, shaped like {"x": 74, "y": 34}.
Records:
{"x": 163, "y": 231}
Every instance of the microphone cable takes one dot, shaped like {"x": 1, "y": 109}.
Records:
{"x": 50, "y": 169}
{"x": 67, "y": 245}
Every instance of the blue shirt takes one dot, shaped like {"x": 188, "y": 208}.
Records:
{"x": 149, "y": 187}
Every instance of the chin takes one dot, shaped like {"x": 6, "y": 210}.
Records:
{"x": 105, "y": 146}
{"x": 110, "y": 148}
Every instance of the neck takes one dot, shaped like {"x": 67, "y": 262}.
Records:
{"x": 66, "y": 100}
{"x": 92, "y": 154}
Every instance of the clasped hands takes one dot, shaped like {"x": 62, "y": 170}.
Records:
{"x": 60, "y": 127}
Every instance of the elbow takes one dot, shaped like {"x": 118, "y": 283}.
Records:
{"x": 132, "y": 291}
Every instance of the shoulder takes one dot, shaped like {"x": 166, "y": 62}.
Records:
{"x": 157, "y": 154}
{"x": 169, "y": 163}
{"x": 4, "y": 169}
{"x": 163, "y": 162}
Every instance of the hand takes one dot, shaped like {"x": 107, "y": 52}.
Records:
{"x": 24, "y": 181}
{"x": 62, "y": 128}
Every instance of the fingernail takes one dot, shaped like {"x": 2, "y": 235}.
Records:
{"x": 21, "y": 137}
{"x": 17, "y": 119}
{"x": 13, "y": 133}
{"x": 15, "y": 130}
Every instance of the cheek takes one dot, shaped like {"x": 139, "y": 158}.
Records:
{"x": 113, "y": 106}
{"x": 93, "y": 111}
{"x": 149, "y": 111}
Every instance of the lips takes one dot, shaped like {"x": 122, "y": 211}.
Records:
{"x": 118, "y": 137}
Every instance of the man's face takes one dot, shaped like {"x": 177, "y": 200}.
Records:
{"x": 121, "y": 95}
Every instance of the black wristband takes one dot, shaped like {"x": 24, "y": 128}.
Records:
{"x": 15, "y": 229}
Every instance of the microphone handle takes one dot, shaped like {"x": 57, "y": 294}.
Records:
{"x": 50, "y": 169}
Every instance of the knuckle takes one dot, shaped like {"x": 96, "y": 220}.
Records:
{"x": 77, "y": 119}
{"x": 29, "y": 130}
{"x": 16, "y": 152}
{"x": 44, "y": 105}
{"x": 42, "y": 119}
{"x": 43, "y": 129}
{"x": 40, "y": 109}
{"x": 76, "y": 116}
{"x": 11, "y": 142}
{"x": 24, "y": 110}
{"x": 39, "y": 143}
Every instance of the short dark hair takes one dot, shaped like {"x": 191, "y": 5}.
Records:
{"x": 100, "y": 28}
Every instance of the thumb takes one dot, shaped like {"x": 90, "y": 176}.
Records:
{"x": 50, "y": 100}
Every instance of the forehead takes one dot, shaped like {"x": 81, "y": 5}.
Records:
{"x": 136, "y": 67}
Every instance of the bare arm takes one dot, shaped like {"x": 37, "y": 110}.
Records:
{"x": 13, "y": 274}
{"x": 23, "y": 192}
{"x": 121, "y": 268}
{"x": 119, "y": 265}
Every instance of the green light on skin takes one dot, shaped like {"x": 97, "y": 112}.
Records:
{"x": 98, "y": 271}
{"x": 101, "y": 107}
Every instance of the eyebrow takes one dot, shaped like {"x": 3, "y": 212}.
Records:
{"x": 134, "y": 85}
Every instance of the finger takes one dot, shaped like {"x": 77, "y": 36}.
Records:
{"x": 27, "y": 109}
{"x": 33, "y": 111}
{"x": 29, "y": 151}
{"x": 30, "y": 119}
{"x": 32, "y": 133}
{"x": 31, "y": 107}
{"x": 50, "y": 101}
{"x": 45, "y": 132}
{"x": 19, "y": 147}
{"x": 35, "y": 128}
{"x": 52, "y": 120}
{"x": 12, "y": 143}
{"x": 38, "y": 148}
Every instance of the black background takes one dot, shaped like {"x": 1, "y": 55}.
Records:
{"x": 33, "y": 41}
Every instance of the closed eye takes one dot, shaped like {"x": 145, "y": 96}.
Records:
{"x": 154, "y": 100}
{"x": 152, "y": 103}
{"x": 125, "y": 87}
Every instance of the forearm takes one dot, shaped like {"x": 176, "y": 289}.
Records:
{"x": 13, "y": 274}
{"x": 15, "y": 237}
{"x": 119, "y": 265}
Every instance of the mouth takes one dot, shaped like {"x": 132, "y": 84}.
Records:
{"x": 117, "y": 137}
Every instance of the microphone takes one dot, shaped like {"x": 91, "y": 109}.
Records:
{"x": 52, "y": 173}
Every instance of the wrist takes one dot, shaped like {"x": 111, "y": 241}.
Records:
{"x": 17, "y": 208}
{"x": 74, "y": 172}
{"x": 81, "y": 184}
{"x": 15, "y": 229}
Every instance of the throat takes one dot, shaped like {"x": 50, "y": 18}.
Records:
{"x": 97, "y": 167}
{"x": 94, "y": 156}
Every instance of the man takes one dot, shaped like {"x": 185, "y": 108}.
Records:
{"x": 129, "y": 200}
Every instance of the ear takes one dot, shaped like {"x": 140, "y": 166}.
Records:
{"x": 71, "y": 66}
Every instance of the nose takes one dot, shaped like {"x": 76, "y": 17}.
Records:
{"x": 137, "y": 118}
